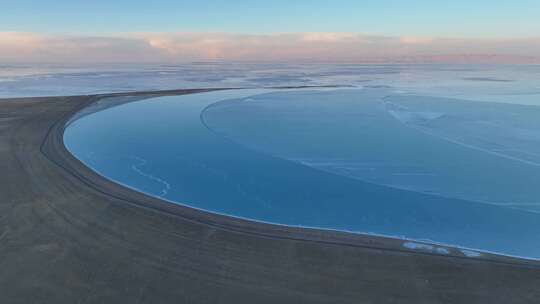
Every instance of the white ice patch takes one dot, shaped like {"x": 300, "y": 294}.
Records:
{"x": 438, "y": 249}
{"x": 441, "y": 250}
{"x": 470, "y": 253}
{"x": 426, "y": 247}
{"x": 417, "y": 246}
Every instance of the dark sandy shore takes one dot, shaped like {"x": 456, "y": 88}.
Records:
{"x": 68, "y": 235}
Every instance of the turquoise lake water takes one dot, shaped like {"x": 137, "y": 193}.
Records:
{"x": 370, "y": 160}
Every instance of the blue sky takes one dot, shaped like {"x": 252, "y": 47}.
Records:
{"x": 457, "y": 18}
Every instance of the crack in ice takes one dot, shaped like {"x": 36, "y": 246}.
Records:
{"x": 142, "y": 162}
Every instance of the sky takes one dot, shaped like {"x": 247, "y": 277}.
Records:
{"x": 340, "y": 30}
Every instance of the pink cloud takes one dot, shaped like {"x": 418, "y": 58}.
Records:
{"x": 321, "y": 47}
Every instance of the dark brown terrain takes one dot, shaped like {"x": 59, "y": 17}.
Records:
{"x": 68, "y": 235}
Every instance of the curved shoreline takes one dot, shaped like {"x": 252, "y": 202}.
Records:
{"x": 62, "y": 220}
{"x": 274, "y": 229}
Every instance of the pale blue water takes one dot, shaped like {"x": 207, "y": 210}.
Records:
{"x": 363, "y": 160}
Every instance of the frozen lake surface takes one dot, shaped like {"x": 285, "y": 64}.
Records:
{"x": 372, "y": 160}
{"x": 500, "y": 83}
{"x": 484, "y": 152}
